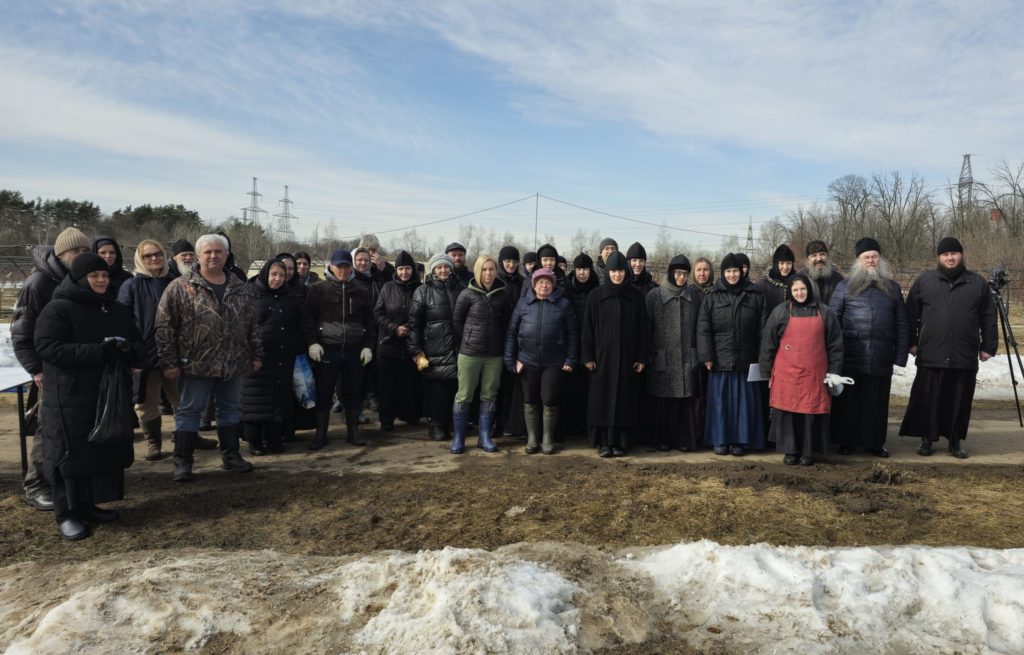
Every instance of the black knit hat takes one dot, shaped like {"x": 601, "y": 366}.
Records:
{"x": 530, "y": 258}
{"x": 547, "y": 250}
{"x": 816, "y": 246}
{"x": 783, "y": 254}
{"x": 949, "y": 244}
{"x": 560, "y": 260}
{"x": 404, "y": 259}
{"x": 742, "y": 259}
{"x": 679, "y": 262}
{"x": 730, "y": 261}
{"x": 87, "y": 263}
{"x": 866, "y": 244}
{"x": 636, "y": 251}
{"x": 508, "y": 252}
{"x": 608, "y": 241}
{"x": 616, "y": 262}
{"x": 583, "y": 260}
{"x": 180, "y": 246}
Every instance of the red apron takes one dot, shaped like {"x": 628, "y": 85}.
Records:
{"x": 797, "y": 380}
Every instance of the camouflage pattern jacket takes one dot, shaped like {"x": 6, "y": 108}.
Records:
{"x": 206, "y": 338}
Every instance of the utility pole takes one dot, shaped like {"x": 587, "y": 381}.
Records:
{"x": 284, "y": 219}
{"x": 536, "y": 217}
{"x": 251, "y": 214}
{"x": 750, "y": 236}
{"x": 965, "y": 189}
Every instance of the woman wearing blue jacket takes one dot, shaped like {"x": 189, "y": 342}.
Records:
{"x": 541, "y": 346}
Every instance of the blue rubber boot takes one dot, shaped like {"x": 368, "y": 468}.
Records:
{"x": 460, "y": 416}
{"x": 486, "y": 428}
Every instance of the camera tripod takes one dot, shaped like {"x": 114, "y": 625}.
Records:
{"x": 1008, "y": 342}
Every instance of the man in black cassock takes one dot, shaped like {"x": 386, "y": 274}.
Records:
{"x": 952, "y": 326}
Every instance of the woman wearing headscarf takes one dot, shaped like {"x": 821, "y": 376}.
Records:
{"x": 672, "y": 375}
{"x": 433, "y": 343}
{"x": 773, "y": 285}
{"x": 583, "y": 280}
{"x": 547, "y": 257}
{"x": 541, "y": 347}
{"x": 399, "y": 388}
{"x": 801, "y": 344}
{"x": 729, "y": 326}
{"x": 703, "y": 282}
{"x": 292, "y": 281}
{"x": 303, "y": 264}
{"x": 703, "y": 275}
{"x": 268, "y": 399}
{"x": 614, "y": 348}
{"x": 639, "y": 276}
{"x": 480, "y": 319}
{"x": 508, "y": 270}
{"x": 110, "y": 252}
{"x": 142, "y": 294}
{"x": 78, "y": 332}
{"x": 510, "y": 402}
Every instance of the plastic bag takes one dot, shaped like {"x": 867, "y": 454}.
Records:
{"x": 303, "y": 382}
{"x": 114, "y": 408}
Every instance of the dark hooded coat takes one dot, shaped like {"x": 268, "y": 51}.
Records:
{"x": 118, "y": 275}
{"x": 672, "y": 312}
{"x": 432, "y": 326}
{"x": 875, "y": 329}
{"x": 142, "y": 295}
{"x": 392, "y": 311}
{"x": 542, "y": 333}
{"x": 35, "y": 293}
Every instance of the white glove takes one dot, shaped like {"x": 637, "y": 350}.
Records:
{"x": 365, "y": 356}
{"x": 316, "y": 352}
{"x": 835, "y": 383}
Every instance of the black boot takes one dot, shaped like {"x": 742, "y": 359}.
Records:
{"x": 272, "y": 433}
{"x": 254, "y": 435}
{"x": 534, "y": 418}
{"x": 956, "y": 450}
{"x": 231, "y": 459}
{"x": 323, "y": 421}
{"x": 184, "y": 444}
{"x": 925, "y": 449}
{"x": 352, "y": 428}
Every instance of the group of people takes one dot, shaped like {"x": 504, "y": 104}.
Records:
{"x": 516, "y": 346}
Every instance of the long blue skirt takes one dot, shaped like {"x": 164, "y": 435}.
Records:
{"x": 734, "y": 411}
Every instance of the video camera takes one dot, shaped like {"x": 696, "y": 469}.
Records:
{"x": 998, "y": 279}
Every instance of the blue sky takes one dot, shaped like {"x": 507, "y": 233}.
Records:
{"x": 382, "y": 115}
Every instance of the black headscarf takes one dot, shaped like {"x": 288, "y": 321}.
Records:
{"x": 264, "y": 276}
{"x": 800, "y": 277}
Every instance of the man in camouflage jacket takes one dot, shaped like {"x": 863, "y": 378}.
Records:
{"x": 208, "y": 337}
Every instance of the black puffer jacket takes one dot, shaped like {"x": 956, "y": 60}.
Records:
{"x": 392, "y": 311}
{"x": 952, "y": 320}
{"x": 35, "y": 294}
{"x": 142, "y": 294}
{"x": 481, "y": 318}
{"x": 369, "y": 283}
{"x": 875, "y": 329}
{"x": 543, "y": 332}
{"x": 643, "y": 282}
{"x": 69, "y": 339}
{"x": 514, "y": 282}
{"x": 729, "y": 327}
{"x": 432, "y": 326}
{"x": 118, "y": 275}
{"x": 267, "y": 394}
{"x": 337, "y": 314}
{"x": 773, "y": 287}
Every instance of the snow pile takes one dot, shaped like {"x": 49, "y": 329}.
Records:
{"x": 6, "y": 349}
{"x": 768, "y": 599}
{"x": 524, "y": 598}
{"x": 993, "y": 378}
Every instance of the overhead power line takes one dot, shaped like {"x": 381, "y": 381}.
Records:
{"x": 444, "y": 220}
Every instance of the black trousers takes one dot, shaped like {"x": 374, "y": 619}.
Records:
{"x": 438, "y": 397}
{"x": 341, "y": 368}
{"x": 542, "y": 385}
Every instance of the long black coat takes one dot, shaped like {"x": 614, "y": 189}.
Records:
{"x": 481, "y": 319}
{"x": 69, "y": 336}
{"x": 615, "y": 336}
{"x": 514, "y": 282}
{"x": 392, "y": 311}
{"x": 729, "y": 327}
{"x": 952, "y": 320}
{"x": 267, "y": 394}
{"x": 577, "y": 293}
{"x": 35, "y": 294}
{"x": 432, "y": 328}
{"x": 875, "y": 329}
{"x": 118, "y": 276}
{"x": 142, "y": 294}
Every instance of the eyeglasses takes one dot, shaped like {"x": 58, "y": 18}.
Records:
{"x": 153, "y": 255}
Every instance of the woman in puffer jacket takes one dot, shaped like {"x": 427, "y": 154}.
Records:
{"x": 542, "y": 346}
{"x": 433, "y": 343}
{"x": 481, "y": 316}
{"x": 399, "y": 388}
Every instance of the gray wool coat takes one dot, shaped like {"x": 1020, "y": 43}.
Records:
{"x": 673, "y": 320}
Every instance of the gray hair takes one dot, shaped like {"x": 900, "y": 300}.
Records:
{"x": 862, "y": 277}
{"x": 201, "y": 241}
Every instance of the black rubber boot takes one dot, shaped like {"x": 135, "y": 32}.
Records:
{"x": 323, "y": 421}
{"x": 272, "y": 433}
{"x": 532, "y": 414}
{"x": 925, "y": 449}
{"x": 231, "y": 459}
{"x": 254, "y": 435}
{"x": 352, "y": 428}
{"x": 548, "y": 437}
{"x": 957, "y": 450}
{"x": 184, "y": 445}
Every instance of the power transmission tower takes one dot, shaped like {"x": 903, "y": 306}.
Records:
{"x": 284, "y": 219}
{"x": 251, "y": 214}
{"x": 750, "y": 236}
{"x": 966, "y": 187}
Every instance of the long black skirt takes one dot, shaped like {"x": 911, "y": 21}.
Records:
{"x": 399, "y": 390}
{"x": 940, "y": 403}
{"x": 438, "y": 396}
{"x": 573, "y": 420}
{"x": 799, "y": 434}
{"x": 675, "y": 423}
{"x": 860, "y": 415}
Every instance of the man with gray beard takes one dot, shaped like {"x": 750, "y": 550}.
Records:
{"x": 869, "y": 306}
{"x": 820, "y": 271}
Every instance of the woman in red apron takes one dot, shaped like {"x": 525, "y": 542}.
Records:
{"x": 801, "y": 343}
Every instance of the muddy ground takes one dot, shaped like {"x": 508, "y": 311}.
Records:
{"x": 406, "y": 493}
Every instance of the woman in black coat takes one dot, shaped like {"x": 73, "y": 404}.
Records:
{"x": 399, "y": 387}
{"x": 541, "y": 347}
{"x": 80, "y": 331}
{"x": 268, "y": 397}
{"x": 433, "y": 343}
{"x": 109, "y": 251}
{"x": 583, "y": 280}
{"x": 729, "y": 326}
{"x": 614, "y": 348}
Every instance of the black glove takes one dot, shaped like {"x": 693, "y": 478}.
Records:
{"x": 117, "y": 349}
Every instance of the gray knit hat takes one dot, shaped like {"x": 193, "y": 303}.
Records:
{"x": 70, "y": 238}
{"x": 436, "y": 260}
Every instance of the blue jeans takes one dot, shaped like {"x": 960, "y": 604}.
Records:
{"x": 195, "y": 392}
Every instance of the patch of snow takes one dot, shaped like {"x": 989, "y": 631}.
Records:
{"x": 7, "y": 358}
{"x": 993, "y": 379}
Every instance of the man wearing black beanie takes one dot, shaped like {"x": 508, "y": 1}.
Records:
{"x": 820, "y": 271}
{"x": 949, "y": 350}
